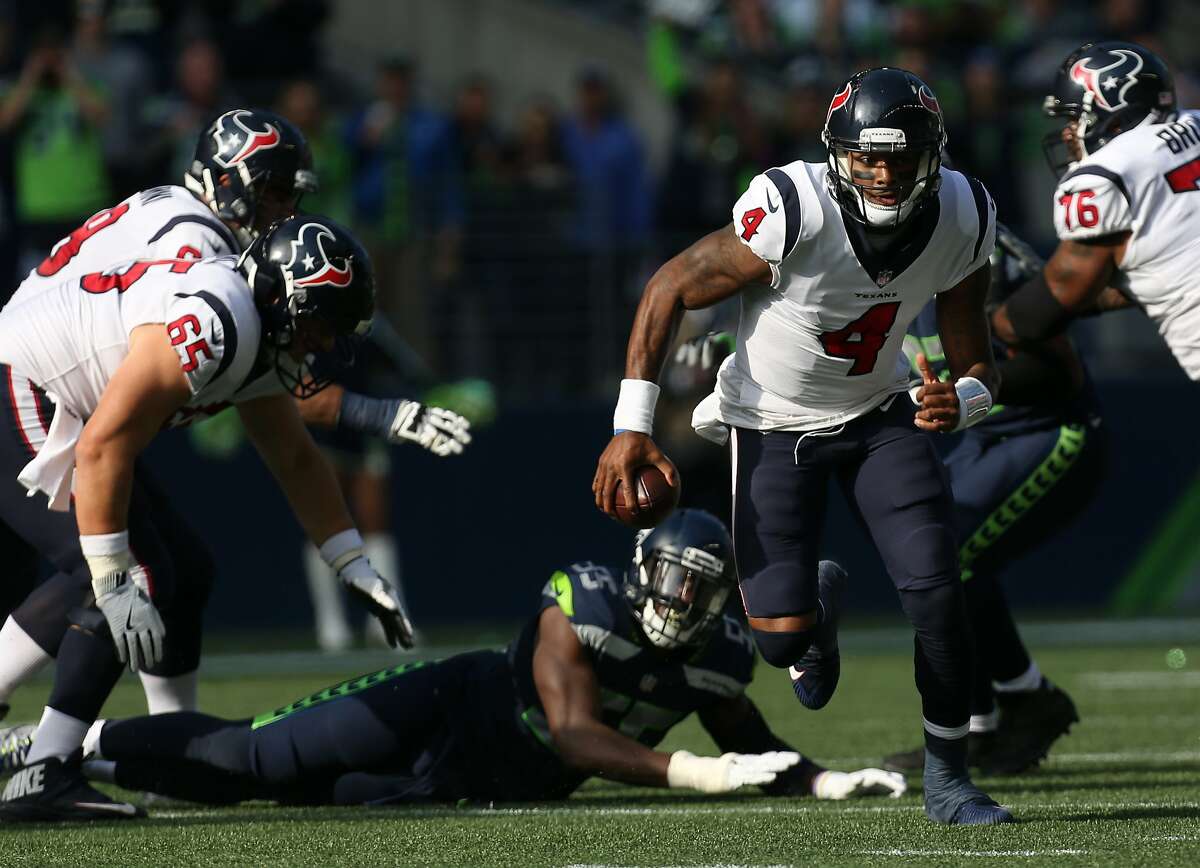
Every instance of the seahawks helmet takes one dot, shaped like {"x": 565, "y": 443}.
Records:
{"x": 1105, "y": 89}
{"x": 680, "y": 578}
{"x": 243, "y": 156}
{"x": 308, "y": 274}
{"x": 884, "y": 110}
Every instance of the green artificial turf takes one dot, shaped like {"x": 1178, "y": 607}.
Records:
{"x": 1122, "y": 789}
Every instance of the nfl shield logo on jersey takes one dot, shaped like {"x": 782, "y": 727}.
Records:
{"x": 884, "y": 278}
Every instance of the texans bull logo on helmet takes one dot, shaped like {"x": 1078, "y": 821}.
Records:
{"x": 1108, "y": 83}
{"x": 236, "y": 140}
{"x": 310, "y": 265}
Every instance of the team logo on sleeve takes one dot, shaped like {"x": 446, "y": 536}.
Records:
{"x": 309, "y": 265}
{"x": 236, "y": 140}
{"x": 1109, "y": 83}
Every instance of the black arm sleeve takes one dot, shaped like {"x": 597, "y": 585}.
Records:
{"x": 1035, "y": 376}
{"x": 1035, "y": 313}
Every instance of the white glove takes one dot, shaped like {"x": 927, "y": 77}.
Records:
{"x": 701, "y": 352}
{"x": 727, "y": 772}
{"x": 137, "y": 628}
{"x": 377, "y": 594}
{"x": 864, "y": 782}
{"x": 442, "y": 432}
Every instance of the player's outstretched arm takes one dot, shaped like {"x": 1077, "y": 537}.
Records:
{"x": 308, "y": 481}
{"x": 570, "y": 696}
{"x": 143, "y": 393}
{"x": 1075, "y": 282}
{"x": 967, "y": 397}
{"x": 711, "y": 270}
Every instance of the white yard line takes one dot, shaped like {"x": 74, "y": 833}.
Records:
{"x": 973, "y": 854}
{"x": 1126, "y": 680}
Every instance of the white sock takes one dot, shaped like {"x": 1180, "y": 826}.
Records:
{"x": 58, "y": 735}
{"x": 91, "y": 741}
{"x": 989, "y": 722}
{"x": 329, "y": 612}
{"x": 171, "y": 693}
{"x": 1030, "y": 680}
{"x": 20, "y": 658}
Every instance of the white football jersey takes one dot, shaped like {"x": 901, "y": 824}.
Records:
{"x": 158, "y": 223}
{"x": 69, "y": 339}
{"x": 1146, "y": 182}
{"x": 822, "y": 344}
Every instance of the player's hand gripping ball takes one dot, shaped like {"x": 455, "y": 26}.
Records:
{"x": 656, "y": 499}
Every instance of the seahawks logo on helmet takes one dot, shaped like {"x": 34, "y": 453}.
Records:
{"x": 1109, "y": 83}
{"x": 307, "y": 269}
{"x": 236, "y": 140}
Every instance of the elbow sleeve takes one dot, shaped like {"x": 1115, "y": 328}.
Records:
{"x": 1035, "y": 313}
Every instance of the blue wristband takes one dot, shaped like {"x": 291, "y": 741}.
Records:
{"x": 365, "y": 415}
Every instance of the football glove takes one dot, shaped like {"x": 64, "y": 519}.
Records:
{"x": 380, "y": 599}
{"x": 727, "y": 772}
{"x": 705, "y": 351}
{"x": 442, "y": 432}
{"x": 864, "y": 782}
{"x": 137, "y": 628}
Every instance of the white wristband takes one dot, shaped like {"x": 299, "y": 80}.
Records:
{"x": 682, "y": 770}
{"x": 974, "y": 402}
{"x": 342, "y": 548}
{"x": 107, "y": 553}
{"x": 635, "y": 406}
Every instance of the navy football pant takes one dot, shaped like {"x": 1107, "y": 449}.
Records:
{"x": 1012, "y": 494}
{"x": 895, "y": 485}
{"x": 88, "y": 665}
{"x": 385, "y": 735}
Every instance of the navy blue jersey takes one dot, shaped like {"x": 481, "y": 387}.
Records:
{"x": 644, "y": 691}
{"x": 1005, "y": 419}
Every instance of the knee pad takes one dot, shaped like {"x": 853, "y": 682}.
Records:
{"x": 90, "y": 620}
{"x": 780, "y": 589}
{"x": 781, "y": 650}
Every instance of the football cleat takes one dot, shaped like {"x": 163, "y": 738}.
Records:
{"x": 815, "y": 675}
{"x": 1030, "y": 722}
{"x": 54, "y": 790}
{"x": 14, "y": 746}
{"x": 951, "y": 798}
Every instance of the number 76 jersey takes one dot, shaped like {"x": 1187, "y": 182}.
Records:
{"x": 1146, "y": 182}
{"x": 822, "y": 344}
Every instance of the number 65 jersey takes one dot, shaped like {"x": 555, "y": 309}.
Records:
{"x": 822, "y": 344}
{"x": 1146, "y": 182}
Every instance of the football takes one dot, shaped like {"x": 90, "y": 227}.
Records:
{"x": 656, "y": 499}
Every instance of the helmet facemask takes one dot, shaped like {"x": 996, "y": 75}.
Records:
{"x": 678, "y": 598}
{"x": 910, "y": 193}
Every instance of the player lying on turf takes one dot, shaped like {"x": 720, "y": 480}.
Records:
{"x": 593, "y": 682}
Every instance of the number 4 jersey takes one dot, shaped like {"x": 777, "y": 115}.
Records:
{"x": 822, "y": 344}
{"x": 1146, "y": 182}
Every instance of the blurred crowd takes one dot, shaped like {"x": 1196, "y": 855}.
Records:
{"x": 515, "y": 246}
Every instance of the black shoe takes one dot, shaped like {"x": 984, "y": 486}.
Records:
{"x": 3, "y": 710}
{"x": 815, "y": 675}
{"x": 979, "y": 747}
{"x": 52, "y": 790}
{"x": 1030, "y": 722}
{"x": 14, "y": 745}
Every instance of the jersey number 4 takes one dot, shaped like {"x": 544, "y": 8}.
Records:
{"x": 862, "y": 339}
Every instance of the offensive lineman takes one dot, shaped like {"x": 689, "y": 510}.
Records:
{"x": 94, "y": 368}
{"x": 833, "y": 262}
{"x": 250, "y": 169}
{"x": 524, "y": 725}
{"x": 1124, "y": 210}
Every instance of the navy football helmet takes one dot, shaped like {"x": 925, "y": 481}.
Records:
{"x": 312, "y": 283}
{"x": 884, "y": 110}
{"x": 251, "y": 167}
{"x": 681, "y": 576}
{"x": 1105, "y": 89}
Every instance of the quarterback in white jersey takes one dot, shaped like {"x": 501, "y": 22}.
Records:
{"x": 832, "y": 262}
{"x": 1125, "y": 208}
{"x": 94, "y": 368}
